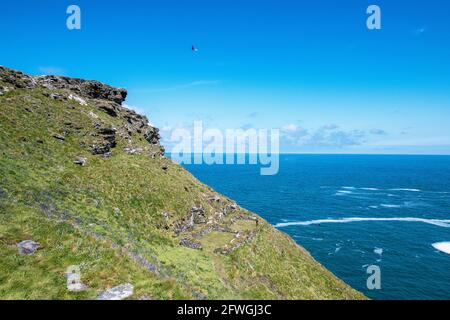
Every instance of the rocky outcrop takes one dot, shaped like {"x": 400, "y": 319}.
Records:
{"x": 103, "y": 97}
{"x": 120, "y": 292}
{"x": 106, "y": 141}
{"x": 190, "y": 243}
{"x": 27, "y": 247}
{"x": 87, "y": 88}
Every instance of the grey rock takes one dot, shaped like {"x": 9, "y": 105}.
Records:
{"x": 199, "y": 296}
{"x": 76, "y": 287}
{"x": 59, "y": 137}
{"x": 54, "y": 96}
{"x": 27, "y": 246}
{"x": 110, "y": 108}
{"x": 119, "y": 292}
{"x": 152, "y": 135}
{"x": 189, "y": 243}
{"x": 74, "y": 282}
{"x": 131, "y": 150}
{"x": 87, "y": 88}
{"x": 108, "y": 136}
{"x": 81, "y": 161}
{"x": 214, "y": 198}
{"x": 199, "y": 215}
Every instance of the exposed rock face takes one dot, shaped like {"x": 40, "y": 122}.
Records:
{"x": 107, "y": 141}
{"x": 105, "y": 98}
{"x": 27, "y": 247}
{"x": 87, "y": 88}
{"x": 120, "y": 292}
{"x": 189, "y": 243}
{"x": 110, "y": 108}
{"x": 151, "y": 134}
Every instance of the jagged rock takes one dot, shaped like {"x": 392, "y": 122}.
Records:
{"x": 92, "y": 115}
{"x": 81, "y": 161}
{"x": 27, "y": 247}
{"x": 100, "y": 148}
{"x": 230, "y": 208}
{"x": 190, "y": 243}
{"x": 152, "y": 135}
{"x": 108, "y": 136}
{"x": 59, "y": 137}
{"x": 54, "y": 96}
{"x": 214, "y": 198}
{"x": 198, "y": 214}
{"x": 131, "y": 150}
{"x": 136, "y": 120}
{"x": 120, "y": 292}
{"x": 87, "y": 88}
{"x": 110, "y": 108}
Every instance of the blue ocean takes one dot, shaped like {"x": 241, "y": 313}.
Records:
{"x": 354, "y": 211}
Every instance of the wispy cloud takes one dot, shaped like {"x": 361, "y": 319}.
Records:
{"x": 420, "y": 31}
{"x": 192, "y": 84}
{"x": 327, "y": 136}
{"x": 378, "y": 132}
{"x": 51, "y": 70}
{"x": 252, "y": 115}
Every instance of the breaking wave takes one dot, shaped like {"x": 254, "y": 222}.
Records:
{"x": 436, "y": 222}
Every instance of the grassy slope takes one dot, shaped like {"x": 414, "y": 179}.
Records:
{"x": 71, "y": 211}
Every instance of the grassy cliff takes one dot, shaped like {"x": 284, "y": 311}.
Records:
{"x": 86, "y": 179}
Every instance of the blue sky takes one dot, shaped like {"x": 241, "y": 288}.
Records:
{"x": 311, "y": 68}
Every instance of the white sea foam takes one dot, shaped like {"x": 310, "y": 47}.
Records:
{"x": 436, "y": 222}
{"x": 343, "y": 192}
{"x": 442, "y": 246}
{"x": 378, "y": 251}
{"x": 370, "y": 189}
{"x": 405, "y": 189}
{"x": 390, "y": 205}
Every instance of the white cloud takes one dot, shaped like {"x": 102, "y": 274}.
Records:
{"x": 327, "y": 136}
{"x": 290, "y": 128}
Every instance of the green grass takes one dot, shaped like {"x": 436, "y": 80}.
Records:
{"x": 72, "y": 212}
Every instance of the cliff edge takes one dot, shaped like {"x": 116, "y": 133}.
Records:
{"x": 90, "y": 208}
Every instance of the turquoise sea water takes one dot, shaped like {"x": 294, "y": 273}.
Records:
{"x": 352, "y": 211}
